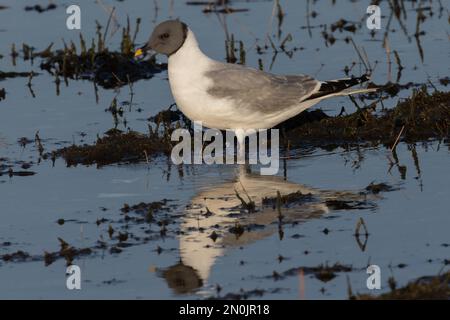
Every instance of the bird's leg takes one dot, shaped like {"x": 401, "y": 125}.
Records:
{"x": 240, "y": 135}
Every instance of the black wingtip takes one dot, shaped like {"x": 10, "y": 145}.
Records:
{"x": 335, "y": 86}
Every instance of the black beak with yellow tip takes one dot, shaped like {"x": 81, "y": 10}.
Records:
{"x": 141, "y": 53}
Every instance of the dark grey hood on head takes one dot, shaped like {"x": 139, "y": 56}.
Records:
{"x": 167, "y": 38}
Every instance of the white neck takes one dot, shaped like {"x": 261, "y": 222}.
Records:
{"x": 188, "y": 54}
{"x": 187, "y": 79}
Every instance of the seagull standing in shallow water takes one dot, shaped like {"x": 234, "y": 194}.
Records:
{"x": 234, "y": 97}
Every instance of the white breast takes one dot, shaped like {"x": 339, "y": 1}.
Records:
{"x": 189, "y": 85}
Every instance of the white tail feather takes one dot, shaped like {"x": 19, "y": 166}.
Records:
{"x": 348, "y": 92}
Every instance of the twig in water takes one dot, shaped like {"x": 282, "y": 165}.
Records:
{"x": 130, "y": 85}
{"x": 308, "y": 23}
{"x": 109, "y": 22}
{"x": 146, "y": 159}
{"x": 250, "y": 205}
{"x": 30, "y": 86}
{"x": 360, "y": 224}
{"x": 359, "y": 55}
{"x": 399, "y": 65}
{"x": 387, "y": 47}
{"x": 398, "y": 139}
{"x": 270, "y": 25}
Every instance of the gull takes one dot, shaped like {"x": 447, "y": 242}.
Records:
{"x": 233, "y": 97}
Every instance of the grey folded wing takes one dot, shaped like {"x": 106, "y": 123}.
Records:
{"x": 258, "y": 91}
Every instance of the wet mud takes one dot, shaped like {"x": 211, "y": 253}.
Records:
{"x": 421, "y": 117}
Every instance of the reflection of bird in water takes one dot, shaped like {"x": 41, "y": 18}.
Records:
{"x": 182, "y": 279}
{"x": 214, "y": 212}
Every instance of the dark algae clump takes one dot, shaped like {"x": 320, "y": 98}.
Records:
{"x": 182, "y": 279}
{"x": 287, "y": 200}
{"x": 323, "y": 272}
{"x": 40, "y": 9}
{"x": 12, "y": 74}
{"x": 19, "y": 256}
{"x": 115, "y": 147}
{"x": 421, "y": 117}
{"x": 377, "y": 188}
{"x": 108, "y": 69}
{"x": 118, "y": 146}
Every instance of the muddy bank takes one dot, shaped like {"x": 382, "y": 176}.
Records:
{"x": 117, "y": 146}
{"x": 421, "y": 117}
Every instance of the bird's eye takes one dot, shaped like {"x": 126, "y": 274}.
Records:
{"x": 164, "y": 36}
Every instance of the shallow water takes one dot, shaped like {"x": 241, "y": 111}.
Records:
{"x": 408, "y": 227}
